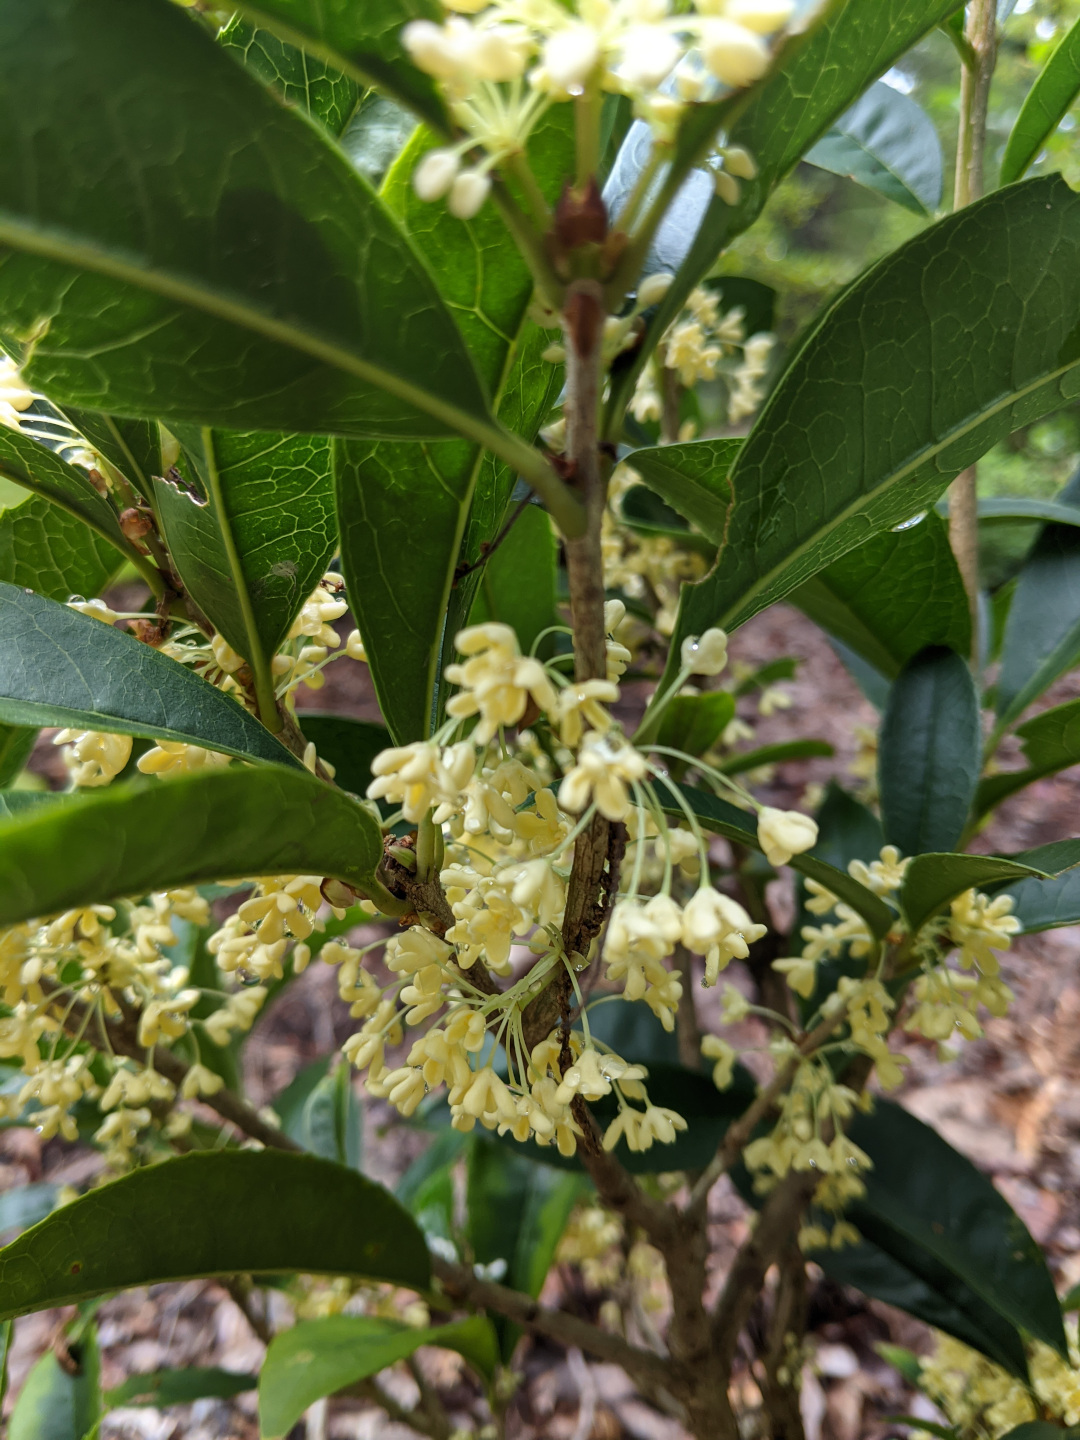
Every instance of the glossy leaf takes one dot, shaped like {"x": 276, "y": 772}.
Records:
{"x": 775, "y": 755}
{"x": 403, "y": 509}
{"x": 818, "y": 76}
{"x": 892, "y": 596}
{"x": 1042, "y": 632}
{"x": 35, "y": 467}
{"x": 363, "y": 41}
{"x": 277, "y": 514}
{"x": 934, "y": 1216}
{"x": 886, "y": 142}
{"x": 517, "y": 585}
{"x": 724, "y": 819}
{"x": 58, "y": 667}
{"x": 282, "y": 296}
{"x": 832, "y": 459}
{"x": 179, "y": 1387}
{"x": 16, "y": 743}
{"x": 931, "y": 881}
{"x": 61, "y": 1402}
{"x": 1056, "y": 87}
{"x": 240, "y": 1211}
{"x": 318, "y": 1357}
{"x": 929, "y": 753}
{"x": 214, "y": 824}
{"x": 694, "y": 723}
{"x": 44, "y": 548}
{"x": 305, "y": 81}
{"x": 1046, "y": 904}
{"x": 349, "y": 745}
{"x": 517, "y": 1211}
{"x": 693, "y": 480}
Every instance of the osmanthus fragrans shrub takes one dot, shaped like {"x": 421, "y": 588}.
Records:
{"x": 341, "y": 306}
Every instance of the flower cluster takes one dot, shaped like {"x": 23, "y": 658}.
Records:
{"x": 980, "y": 1398}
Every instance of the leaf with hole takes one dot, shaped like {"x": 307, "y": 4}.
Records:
{"x": 130, "y": 839}
{"x": 283, "y": 296}
{"x": 235, "y": 1212}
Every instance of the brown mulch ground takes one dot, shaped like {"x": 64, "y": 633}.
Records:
{"x": 1011, "y": 1102}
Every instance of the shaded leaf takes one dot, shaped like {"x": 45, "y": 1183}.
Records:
{"x": 241, "y": 1211}
{"x": 318, "y": 1357}
{"x": 517, "y": 585}
{"x": 694, "y": 723}
{"x": 1050, "y": 742}
{"x": 179, "y": 1387}
{"x": 59, "y": 667}
{"x": 929, "y": 753}
{"x": 645, "y": 513}
{"x": 349, "y": 745}
{"x": 58, "y": 1403}
{"x": 693, "y": 480}
{"x": 320, "y": 1111}
{"x": 134, "y": 838}
{"x": 16, "y": 743}
{"x": 887, "y": 143}
{"x": 46, "y": 549}
{"x": 283, "y": 296}
{"x": 1056, "y": 87}
{"x": 133, "y": 447}
{"x": 376, "y": 136}
{"x": 775, "y": 755}
{"x": 892, "y": 596}
{"x": 1003, "y": 508}
{"x": 305, "y": 81}
{"x": 1046, "y": 904}
{"x": 35, "y": 467}
{"x": 931, "y": 881}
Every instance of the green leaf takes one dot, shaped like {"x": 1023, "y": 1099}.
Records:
{"x": 361, "y": 40}
{"x": 318, "y": 1357}
{"x": 48, "y": 550}
{"x": 427, "y": 1187}
{"x": 775, "y": 755}
{"x": 1039, "y": 1430}
{"x": 179, "y": 1387}
{"x": 818, "y": 75}
{"x": 693, "y": 480}
{"x": 517, "y": 1211}
{"x": 1046, "y": 904}
{"x": 58, "y": 667}
{"x": 305, "y": 81}
{"x": 646, "y": 514}
{"x": 887, "y": 143}
{"x": 831, "y": 459}
{"x": 376, "y": 136}
{"x": 7, "y": 1335}
{"x": 35, "y": 467}
{"x": 900, "y": 1358}
{"x": 133, "y": 838}
{"x": 1042, "y": 632}
{"x": 517, "y": 585}
{"x": 931, "y": 1213}
{"x": 1004, "y": 508}
{"x": 929, "y": 753}
{"x": 25, "y": 1205}
{"x": 892, "y": 596}
{"x": 251, "y": 562}
{"x": 320, "y": 1111}
{"x": 56, "y": 1403}
{"x": 724, "y": 819}
{"x": 16, "y": 743}
{"x": 694, "y": 723}
{"x": 131, "y": 446}
{"x": 241, "y": 1211}
{"x": 402, "y": 509}
{"x": 282, "y": 296}
{"x": 931, "y": 881}
{"x": 1050, "y": 742}
{"x": 349, "y": 745}
{"x": 1056, "y": 87}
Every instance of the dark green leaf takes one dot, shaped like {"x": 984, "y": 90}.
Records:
{"x": 7, "y": 1335}
{"x": 1042, "y": 632}
{"x": 58, "y": 667}
{"x": 1046, "y": 904}
{"x": 427, "y": 1187}
{"x": 25, "y": 1205}
{"x": 35, "y": 467}
{"x": 349, "y": 745}
{"x": 693, "y": 480}
{"x": 402, "y": 508}
{"x": 517, "y": 1211}
{"x": 318, "y": 1357}
{"x": 133, "y": 838}
{"x": 276, "y": 513}
{"x": 1050, "y": 741}
{"x": 58, "y": 1403}
{"x": 16, "y": 743}
{"x": 517, "y": 585}
{"x": 775, "y": 755}
{"x": 870, "y": 681}
{"x": 363, "y": 41}
{"x": 131, "y": 446}
{"x": 1055, "y": 89}
{"x": 241, "y": 1211}
{"x": 282, "y": 296}
{"x": 888, "y": 143}
{"x": 931, "y": 881}
{"x": 1004, "y": 508}
{"x": 44, "y": 548}
{"x": 1039, "y": 1430}
{"x": 645, "y": 513}
{"x": 320, "y": 1111}
{"x": 179, "y": 1387}
{"x": 931, "y": 1212}
{"x": 305, "y": 81}
{"x": 892, "y": 596}
{"x": 831, "y": 459}
{"x": 694, "y": 723}
{"x": 930, "y": 753}
{"x": 724, "y": 819}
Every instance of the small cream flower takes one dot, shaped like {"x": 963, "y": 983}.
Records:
{"x": 93, "y": 758}
{"x": 579, "y": 705}
{"x": 420, "y": 777}
{"x": 15, "y": 397}
{"x": 784, "y": 833}
{"x": 496, "y": 681}
{"x": 705, "y": 654}
{"x": 605, "y": 764}
{"x": 719, "y": 928}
